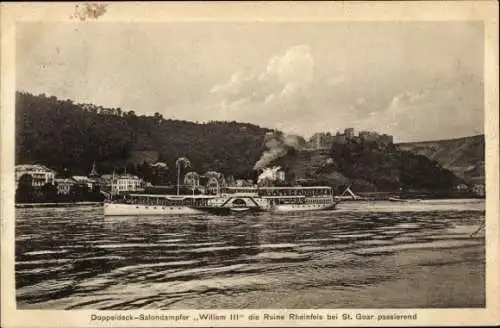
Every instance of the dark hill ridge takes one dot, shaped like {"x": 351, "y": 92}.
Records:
{"x": 369, "y": 167}
{"x": 65, "y": 135}
{"x": 463, "y": 156}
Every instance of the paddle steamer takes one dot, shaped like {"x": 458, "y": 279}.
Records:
{"x": 227, "y": 200}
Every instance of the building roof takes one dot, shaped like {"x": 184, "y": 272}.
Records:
{"x": 128, "y": 176}
{"x": 64, "y": 180}
{"x": 80, "y": 178}
{"x": 27, "y": 167}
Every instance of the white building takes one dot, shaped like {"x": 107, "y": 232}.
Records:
{"x": 64, "y": 186}
{"x": 127, "y": 183}
{"x": 84, "y": 180}
{"x": 479, "y": 190}
{"x": 40, "y": 174}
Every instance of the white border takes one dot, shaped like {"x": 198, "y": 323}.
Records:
{"x": 487, "y": 11}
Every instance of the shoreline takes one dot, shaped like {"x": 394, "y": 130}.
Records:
{"x": 65, "y": 204}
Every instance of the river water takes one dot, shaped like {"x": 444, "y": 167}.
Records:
{"x": 365, "y": 254}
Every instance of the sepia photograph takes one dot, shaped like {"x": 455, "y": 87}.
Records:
{"x": 202, "y": 165}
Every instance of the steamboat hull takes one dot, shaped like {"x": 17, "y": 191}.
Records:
{"x": 145, "y": 210}
{"x": 303, "y": 208}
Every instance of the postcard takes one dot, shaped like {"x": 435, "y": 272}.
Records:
{"x": 249, "y": 164}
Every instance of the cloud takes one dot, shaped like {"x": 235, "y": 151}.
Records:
{"x": 402, "y": 113}
{"x": 436, "y": 112}
{"x": 308, "y": 85}
{"x": 283, "y": 87}
{"x": 295, "y": 68}
{"x": 289, "y": 93}
{"x": 408, "y": 100}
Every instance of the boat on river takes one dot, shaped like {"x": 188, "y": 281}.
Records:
{"x": 227, "y": 200}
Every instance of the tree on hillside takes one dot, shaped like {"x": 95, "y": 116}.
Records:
{"x": 25, "y": 191}
{"x": 49, "y": 192}
{"x": 83, "y": 135}
{"x": 79, "y": 192}
{"x": 192, "y": 179}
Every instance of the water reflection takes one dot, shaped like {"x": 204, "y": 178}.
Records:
{"x": 77, "y": 258}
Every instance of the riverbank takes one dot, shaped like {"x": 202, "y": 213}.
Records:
{"x": 37, "y": 205}
{"x": 421, "y": 205}
{"x": 418, "y": 195}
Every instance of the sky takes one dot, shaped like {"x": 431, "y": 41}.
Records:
{"x": 414, "y": 80}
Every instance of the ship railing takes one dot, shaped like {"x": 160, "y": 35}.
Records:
{"x": 173, "y": 197}
{"x": 240, "y": 194}
{"x": 283, "y": 196}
